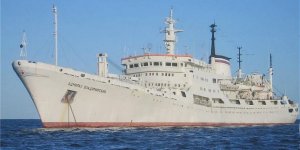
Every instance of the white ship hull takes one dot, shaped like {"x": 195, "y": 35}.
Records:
{"x": 108, "y": 102}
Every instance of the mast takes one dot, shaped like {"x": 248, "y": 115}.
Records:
{"x": 213, "y": 49}
{"x": 170, "y": 34}
{"x": 239, "y": 61}
{"x": 271, "y": 75}
{"x": 23, "y": 46}
{"x": 55, "y": 32}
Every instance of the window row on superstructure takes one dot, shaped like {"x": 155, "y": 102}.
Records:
{"x": 156, "y": 74}
{"x": 164, "y": 85}
{"x": 167, "y": 64}
{"x": 209, "y": 90}
{"x": 205, "y": 101}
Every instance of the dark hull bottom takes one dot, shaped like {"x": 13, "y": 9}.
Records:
{"x": 148, "y": 124}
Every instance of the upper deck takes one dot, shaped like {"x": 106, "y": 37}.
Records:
{"x": 158, "y": 55}
{"x": 160, "y": 62}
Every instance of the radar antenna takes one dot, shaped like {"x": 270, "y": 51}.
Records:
{"x": 23, "y": 46}
{"x": 170, "y": 33}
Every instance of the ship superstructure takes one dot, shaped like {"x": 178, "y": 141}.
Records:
{"x": 155, "y": 90}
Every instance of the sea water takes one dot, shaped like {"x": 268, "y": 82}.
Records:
{"x": 29, "y": 134}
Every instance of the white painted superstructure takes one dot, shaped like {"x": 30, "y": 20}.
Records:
{"x": 154, "y": 90}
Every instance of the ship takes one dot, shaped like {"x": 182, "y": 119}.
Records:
{"x": 154, "y": 90}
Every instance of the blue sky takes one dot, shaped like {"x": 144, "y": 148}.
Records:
{"x": 92, "y": 26}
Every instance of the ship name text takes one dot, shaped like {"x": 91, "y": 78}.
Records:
{"x": 86, "y": 87}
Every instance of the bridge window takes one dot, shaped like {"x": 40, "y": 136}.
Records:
{"x": 168, "y": 64}
{"x": 145, "y": 63}
{"x": 131, "y": 66}
{"x": 156, "y": 63}
{"x": 174, "y": 64}
{"x": 136, "y": 65}
{"x": 214, "y": 80}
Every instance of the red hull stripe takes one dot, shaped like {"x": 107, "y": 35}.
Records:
{"x": 222, "y": 61}
{"x": 144, "y": 124}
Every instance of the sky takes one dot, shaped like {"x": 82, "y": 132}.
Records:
{"x": 124, "y": 27}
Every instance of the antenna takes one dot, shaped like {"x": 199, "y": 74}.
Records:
{"x": 54, "y": 10}
{"x": 145, "y": 50}
{"x": 23, "y": 46}
{"x": 149, "y": 47}
{"x": 186, "y": 49}
{"x": 239, "y": 57}
{"x": 239, "y": 61}
{"x": 271, "y": 75}
{"x": 270, "y": 60}
{"x": 125, "y": 51}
